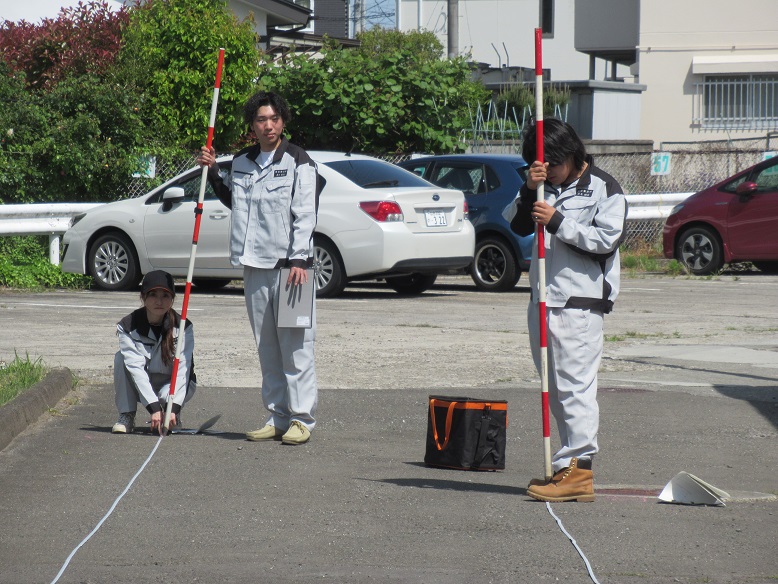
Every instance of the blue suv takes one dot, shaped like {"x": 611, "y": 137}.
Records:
{"x": 490, "y": 182}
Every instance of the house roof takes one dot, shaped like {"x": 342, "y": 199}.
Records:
{"x": 280, "y": 12}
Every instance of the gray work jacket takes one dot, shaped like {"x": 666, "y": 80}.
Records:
{"x": 273, "y": 208}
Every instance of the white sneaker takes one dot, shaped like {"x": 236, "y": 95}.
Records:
{"x": 125, "y": 425}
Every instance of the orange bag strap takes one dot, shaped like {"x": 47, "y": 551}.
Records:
{"x": 449, "y": 416}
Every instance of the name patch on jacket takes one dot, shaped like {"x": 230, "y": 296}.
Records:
{"x": 584, "y": 193}
{"x": 279, "y": 173}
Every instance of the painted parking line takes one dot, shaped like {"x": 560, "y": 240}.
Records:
{"x": 47, "y": 305}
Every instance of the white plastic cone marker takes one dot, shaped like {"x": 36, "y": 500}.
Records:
{"x": 687, "y": 489}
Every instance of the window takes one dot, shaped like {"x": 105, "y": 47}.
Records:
{"x": 767, "y": 179}
{"x": 468, "y": 179}
{"x": 191, "y": 186}
{"x": 492, "y": 182}
{"x": 737, "y": 101}
{"x": 417, "y": 170}
{"x": 370, "y": 174}
{"x": 547, "y": 18}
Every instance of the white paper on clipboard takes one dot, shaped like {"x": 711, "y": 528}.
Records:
{"x": 294, "y": 305}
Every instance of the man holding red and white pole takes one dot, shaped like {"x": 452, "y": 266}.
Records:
{"x": 583, "y": 211}
{"x": 273, "y": 188}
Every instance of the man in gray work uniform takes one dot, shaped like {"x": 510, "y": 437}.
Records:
{"x": 272, "y": 189}
{"x": 584, "y": 211}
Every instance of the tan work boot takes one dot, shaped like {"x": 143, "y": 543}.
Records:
{"x": 538, "y": 482}
{"x": 268, "y": 432}
{"x": 569, "y": 484}
{"x": 296, "y": 434}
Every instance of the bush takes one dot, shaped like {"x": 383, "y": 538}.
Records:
{"x": 68, "y": 130}
{"x": 78, "y": 114}
{"x": 82, "y": 40}
{"x": 78, "y": 142}
{"x": 24, "y": 263}
{"x": 393, "y": 94}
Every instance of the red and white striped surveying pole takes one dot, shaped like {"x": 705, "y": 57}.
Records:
{"x": 540, "y": 237}
{"x": 193, "y": 255}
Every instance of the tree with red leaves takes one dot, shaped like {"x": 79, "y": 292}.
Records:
{"x": 83, "y": 39}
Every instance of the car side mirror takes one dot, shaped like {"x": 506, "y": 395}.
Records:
{"x": 172, "y": 196}
{"x": 746, "y": 189}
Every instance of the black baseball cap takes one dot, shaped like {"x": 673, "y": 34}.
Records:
{"x": 158, "y": 279}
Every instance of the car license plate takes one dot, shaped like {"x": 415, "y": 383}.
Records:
{"x": 435, "y": 218}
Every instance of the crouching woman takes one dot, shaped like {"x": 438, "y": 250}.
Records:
{"x": 144, "y": 364}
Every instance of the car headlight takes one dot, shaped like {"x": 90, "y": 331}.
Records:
{"x": 76, "y": 219}
{"x": 675, "y": 209}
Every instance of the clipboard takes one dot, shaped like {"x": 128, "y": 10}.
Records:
{"x": 294, "y": 304}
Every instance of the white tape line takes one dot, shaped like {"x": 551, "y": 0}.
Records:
{"x": 570, "y": 537}
{"x": 116, "y": 502}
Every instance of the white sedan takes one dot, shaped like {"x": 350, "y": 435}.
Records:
{"x": 375, "y": 220}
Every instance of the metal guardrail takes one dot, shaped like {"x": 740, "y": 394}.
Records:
{"x": 53, "y": 219}
{"x": 647, "y": 207}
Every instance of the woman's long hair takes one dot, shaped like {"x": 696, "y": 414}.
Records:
{"x": 168, "y": 342}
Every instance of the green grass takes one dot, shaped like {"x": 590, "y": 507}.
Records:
{"x": 19, "y": 375}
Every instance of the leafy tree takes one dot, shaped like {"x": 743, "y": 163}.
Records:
{"x": 82, "y": 40}
{"x": 393, "y": 94}
{"x": 72, "y": 128}
{"x": 78, "y": 142}
{"x": 70, "y": 132}
{"x": 21, "y": 119}
{"x": 170, "y": 53}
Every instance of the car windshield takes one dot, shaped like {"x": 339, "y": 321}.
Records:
{"x": 370, "y": 174}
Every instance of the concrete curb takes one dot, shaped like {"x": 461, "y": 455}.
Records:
{"x": 26, "y": 408}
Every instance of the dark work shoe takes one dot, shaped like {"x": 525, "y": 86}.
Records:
{"x": 125, "y": 424}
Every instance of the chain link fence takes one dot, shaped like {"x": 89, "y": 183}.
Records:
{"x": 691, "y": 167}
{"x": 165, "y": 168}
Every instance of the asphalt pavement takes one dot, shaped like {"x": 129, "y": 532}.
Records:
{"x": 688, "y": 383}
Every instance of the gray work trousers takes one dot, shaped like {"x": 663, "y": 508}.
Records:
{"x": 128, "y": 396}
{"x": 574, "y": 354}
{"x": 286, "y": 358}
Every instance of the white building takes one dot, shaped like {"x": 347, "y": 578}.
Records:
{"x": 660, "y": 70}
{"x": 502, "y": 33}
{"x": 710, "y": 70}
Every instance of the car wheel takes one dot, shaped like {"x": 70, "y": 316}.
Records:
{"x": 767, "y": 267}
{"x": 699, "y": 250}
{"x": 328, "y": 269}
{"x": 494, "y": 266}
{"x": 411, "y": 284}
{"x": 211, "y": 283}
{"x": 113, "y": 262}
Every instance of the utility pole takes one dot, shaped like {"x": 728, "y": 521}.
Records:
{"x": 453, "y": 28}
{"x": 357, "y": 20}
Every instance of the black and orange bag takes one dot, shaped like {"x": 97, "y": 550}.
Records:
{"x": 466, "y": 433}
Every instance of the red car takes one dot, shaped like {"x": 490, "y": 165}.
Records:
{"x": 735, "y": 220}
